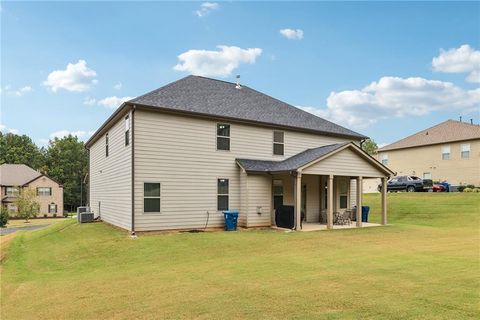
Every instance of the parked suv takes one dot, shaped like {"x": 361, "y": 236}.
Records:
{"x": 408, "y": 183}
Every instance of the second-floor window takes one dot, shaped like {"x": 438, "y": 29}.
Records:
{"x": 106, "y": 145}
{"x": 465, "y": 151}
{"x": 44, "y": 191}
{"x": 384, "y": 159}
{"x": 278, "y": 143}
{"x": 223, "y": 136}
{"x": 11, "y": 191}
{"x": 127, "y": 130}
{"x": 446, "y": 153}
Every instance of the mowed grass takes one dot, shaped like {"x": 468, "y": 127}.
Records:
{"x": 425, "y": 265}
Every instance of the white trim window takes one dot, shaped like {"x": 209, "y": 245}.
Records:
{"x": 44, "y": 191}
{"x": 277, "y": 194}
{"x": 384, "y": 159}
{"x": 223, "y": 197}
{"x": 106, "y": 144}
{"x": 223, "y": 136}
{"x": 12, "y": 191}
{"x": 52, "y": 208}
{"x": 127, "y": 130}
{"x": 151, "y": 197}
{"x": 427, "y": 175}
{"x": 278, "y": 143}
{"x": 446, "y": 152}
{"x": 465, "y": 151}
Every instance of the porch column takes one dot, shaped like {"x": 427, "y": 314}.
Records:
{"x": 298, "y": 201}
{"x": 330, "y": 202}
{"x": 359, "y": 200}
{"x": 384, "y": 200}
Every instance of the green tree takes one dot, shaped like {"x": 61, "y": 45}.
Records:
{"x": 18, "y": 149}
{"x": 4, "y": 216}
{"x": 370, "y": 147}
{"x": 67, "y": 163}
{"x": 27, "y": 206}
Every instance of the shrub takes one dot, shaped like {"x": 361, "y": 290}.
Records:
{"x": 468, "y": 190}
{"x": 476, "y": 190}
{"x": 54, "y": 215}
{"x": 471, "y": 186}
{"x": 65, "y": 214}
{"x": 461, "y": 188}
{"x": 4, "y": 216}
{"x": 45, "y": 215}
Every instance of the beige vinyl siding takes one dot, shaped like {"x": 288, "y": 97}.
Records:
{"x": 243, "y": 180}
{"x": 428, "y": 159}
{"x": 344, "y": 163}
{"x": 180, "y": 153}
{"x": 259, "y": 200}
{"x": 313, "y": 197}
{"x": 110, "y": 178}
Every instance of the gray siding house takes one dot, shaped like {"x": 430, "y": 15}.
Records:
{"x": 178, "y": 156}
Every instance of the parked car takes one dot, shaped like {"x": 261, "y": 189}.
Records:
{"x": 408, "y": 183}
{"x": 437, "y": 187}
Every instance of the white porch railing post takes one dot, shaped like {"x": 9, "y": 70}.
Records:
{"x": 330, "y": 202}
{"x": 359, "y": 201}
{"x": 384, "y": 201}
{"x": 298, "y": 201}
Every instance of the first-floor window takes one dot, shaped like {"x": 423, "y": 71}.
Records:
{"x": 52, "y": 208}
{"x": 427, "y": 175}
{"x": 222, "y": 194}
{"x": 277, "y": 194}
{"x": 151, "y": 197}
{"x": 343, "y": 191}
{"x": 44, "y": 191}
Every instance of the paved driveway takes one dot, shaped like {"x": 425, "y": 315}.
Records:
{"x": 11, "y": 230}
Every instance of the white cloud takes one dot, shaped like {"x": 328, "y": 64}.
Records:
{"x": 216, "y": 63}
{"x": 292, "y": 34}
{"x": 5, "y": 129}
{"x": 393, "y": 97}
{"x": 206, "y": 8}
{"x": 464, "y": 59}
{"x": 76, "y": 78}
{"x": 16, "y": 93}
{"x": 118, "y": 86}
{"x": 113, "y": 102}
{"x": 89, "y": 101}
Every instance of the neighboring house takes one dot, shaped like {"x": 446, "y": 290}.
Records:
{"x": 448, "y": 151}
{"x": 176, "y": 157}
{"x": 16, "y": 177}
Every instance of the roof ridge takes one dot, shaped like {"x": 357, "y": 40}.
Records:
{"x": 161, "y": 88}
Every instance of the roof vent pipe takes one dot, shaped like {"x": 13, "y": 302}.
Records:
{"x": 471, "y": 121}
{"x": 238, "y": 86}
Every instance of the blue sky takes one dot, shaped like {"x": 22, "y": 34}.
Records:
{"x": 383, "y": 69}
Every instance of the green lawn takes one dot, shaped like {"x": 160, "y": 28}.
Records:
{"x": 18, "y": 223}
{"x": 423, "y": 266}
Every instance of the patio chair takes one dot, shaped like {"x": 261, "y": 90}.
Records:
{"x": 344, "y": 218}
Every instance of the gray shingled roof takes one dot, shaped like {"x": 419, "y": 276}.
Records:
{"x": 219, "y": 98}
{"x": 16, "y": 174}
{"x": 290, "y": 164}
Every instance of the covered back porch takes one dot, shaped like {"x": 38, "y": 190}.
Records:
{"x": 321, "y": 187}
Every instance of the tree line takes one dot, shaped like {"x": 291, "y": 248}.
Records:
{"x": 65, "y": 160}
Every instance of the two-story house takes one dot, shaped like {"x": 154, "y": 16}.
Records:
{"x": 16, "y": 177}
{"x": 447, "y": 151}
{"x": 178, "y": 156}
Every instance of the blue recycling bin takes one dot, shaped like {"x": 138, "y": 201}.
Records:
{"x": 231, "y": 217}
{"x": 365, "y": 210}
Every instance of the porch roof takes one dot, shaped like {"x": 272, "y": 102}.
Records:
{"x": 304, "y": 159}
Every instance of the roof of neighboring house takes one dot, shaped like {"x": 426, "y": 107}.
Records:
{"x": 17, "y": 174}
{"x": 448, "y": 131}
{"x": 216, "y": 98}
{"x": 300, "y": 159}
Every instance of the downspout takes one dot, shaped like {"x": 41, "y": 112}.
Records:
{"x": 133, "y": 169}
{"x": 361, "y": 143}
